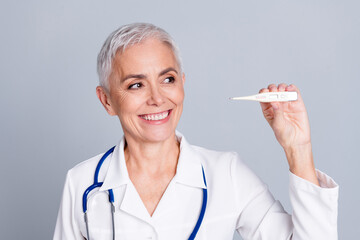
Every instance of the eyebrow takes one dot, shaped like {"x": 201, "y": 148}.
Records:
{"x": 165, "y": 71}
{"x": 142, "y": 76}
{"x": 137, "y": 76}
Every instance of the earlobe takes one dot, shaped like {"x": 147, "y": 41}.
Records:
{"x": 104, "y": 98}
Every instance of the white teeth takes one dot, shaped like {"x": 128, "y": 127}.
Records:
{"x": 154, "y": 117}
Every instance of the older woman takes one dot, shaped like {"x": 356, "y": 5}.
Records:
{"x": 161, "y": 187}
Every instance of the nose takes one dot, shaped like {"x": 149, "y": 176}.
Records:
{"x": 156, "y": 98}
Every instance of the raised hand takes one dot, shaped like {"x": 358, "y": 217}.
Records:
{"x": 290, "y": 123}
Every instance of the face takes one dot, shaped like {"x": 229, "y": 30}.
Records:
{"x": 146, "y": 91}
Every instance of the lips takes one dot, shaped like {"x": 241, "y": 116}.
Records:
{"x": 155, "y": 116}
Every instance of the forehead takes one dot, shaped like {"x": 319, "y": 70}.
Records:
{"x": 149, "y": 55}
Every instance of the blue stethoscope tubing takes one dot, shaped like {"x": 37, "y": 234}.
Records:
{"x": 97, "y": 184}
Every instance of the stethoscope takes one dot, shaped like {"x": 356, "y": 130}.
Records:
{"x": 97, "y": 184}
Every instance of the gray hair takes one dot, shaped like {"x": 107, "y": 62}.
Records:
{"x": 126, "y": 36}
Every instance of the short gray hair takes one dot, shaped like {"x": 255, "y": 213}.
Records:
{"x": 126, "y": 36}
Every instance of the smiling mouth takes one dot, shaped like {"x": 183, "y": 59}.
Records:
{"x": 155, "y": 116}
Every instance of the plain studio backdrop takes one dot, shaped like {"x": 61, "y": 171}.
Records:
{"x": 51, "y": 118}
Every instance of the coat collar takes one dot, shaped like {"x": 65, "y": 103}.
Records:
{"x": 188, "y": 171}
{"x": 117, "y": 173}
{"x": 189, "y": 167}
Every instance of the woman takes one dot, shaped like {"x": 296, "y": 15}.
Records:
{"x": 165, "y": 188}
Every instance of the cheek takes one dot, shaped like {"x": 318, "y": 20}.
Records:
{"x": 177, "y": 95}
{"x": 129, "y": 103}
{"x": 180, "y": 96}
{"x": 121, "y": 101}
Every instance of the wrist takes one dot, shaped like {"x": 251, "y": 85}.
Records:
{"x": 301, "y": 163}
{"x": 299, "y": 155}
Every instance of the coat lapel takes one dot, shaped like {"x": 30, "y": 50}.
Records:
{"x": 188, "y": 173}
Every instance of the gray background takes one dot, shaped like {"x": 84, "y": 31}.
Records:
{"x": 52, "y": 120}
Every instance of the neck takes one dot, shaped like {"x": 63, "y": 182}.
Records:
{"x": 152, "y": 157}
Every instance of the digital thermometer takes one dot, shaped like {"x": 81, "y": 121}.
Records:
{"x": 270, "y": 97}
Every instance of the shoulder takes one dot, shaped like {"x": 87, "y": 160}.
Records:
{"x": 216, "y": 163}
{"x": 82, "y": 174}
{"x": 206, "y": 156}
{"x": 85, "y": 165}
{"x": 228, "y": 165}
{"x": 213, "y": 157}
{"x": 228, "y": 176}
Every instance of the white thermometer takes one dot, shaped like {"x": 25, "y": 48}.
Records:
{"x": 270, "y": 97}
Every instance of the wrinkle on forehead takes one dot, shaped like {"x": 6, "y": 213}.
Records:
{"x": 147, "y": 58}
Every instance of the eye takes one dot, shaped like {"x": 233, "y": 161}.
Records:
{"x": 135, "y": 86}
{"x": 169, "y": 80}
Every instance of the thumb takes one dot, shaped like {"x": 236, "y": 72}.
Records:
{"x": 278, "y": 120}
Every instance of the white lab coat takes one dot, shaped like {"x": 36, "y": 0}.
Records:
{"x": 237, "y": 200}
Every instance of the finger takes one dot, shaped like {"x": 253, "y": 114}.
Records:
{"x": 277, "y": 106}
{"x": 278, "y": 117}
{"x": 282, "y": 87}
{"x": 268, "y": 112}
{"x": 264, "y": 106}
{"x": 263, "y": 90}
{"x": 272, "y": 88}
{"x": 293, "y": 88}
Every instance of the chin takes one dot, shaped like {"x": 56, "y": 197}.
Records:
{"x": 159, "y": 135}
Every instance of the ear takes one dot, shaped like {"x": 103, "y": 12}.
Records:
{"x": 105, "y": 100}
{"x": 183, "y": 78}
